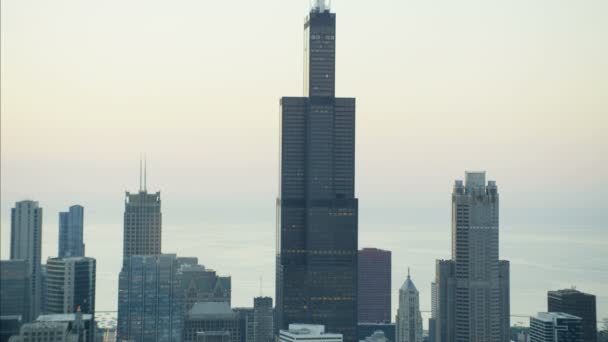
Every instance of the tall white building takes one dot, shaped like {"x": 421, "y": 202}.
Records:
{"x": 308, "y": 333}
{"x": 409, "y": 319}
{"x": 26, "y": 243}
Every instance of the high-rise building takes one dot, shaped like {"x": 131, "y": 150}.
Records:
{"x": 308, "y": 333}
{"x": 374, "y": 290}
{"x": 444, "y": 296}
{"x": 409, "y": 318}
{"x": 44, "y": 275}
{"x": 556, "y": 327}
{"x": 574, "y": 302}
{"x": 142, "y": 222}
{"x": 14, "y": 289}
{"x": 263, "y": 317}
{"x": 149, "y": 299}
{"x": 71, "y": 285}
{"x": 317, "y": 212}
{"x": 26, "y": 244}
{"x": 198, "y": 284}
{"x": 9, "y": 326}
{"x": 71, "y": 232}
{"x": 245, "y": 323}
{"x": 365, "y": 330}
{"x": 480, "y": 280}
{"x": 215, "y": 319}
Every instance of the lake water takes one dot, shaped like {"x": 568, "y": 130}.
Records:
{"x": 542, "y": 258}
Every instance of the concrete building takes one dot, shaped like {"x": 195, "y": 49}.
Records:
{"x": 216, "y": 320}
{"x": 71, "y": 285}
{"x": 79, "y": 324}
{"x": 263, "y": 319}
{"x": 556, "y": 327}
{"x": 409, "y": 318}
{"x": 199, "y": 284}
{"x": 15, "y": 289}
{"x": 317, "y": 211}
{"x": 71, "y": 236}
{"x": 149, "y": 299}
{"x": 374, "y": 290}
{"x": 26, "y": 244}
{"x": 473, "y": 287}
{"x": 308, "y": 333}
{"x": 45, "y": 332}
{"x": 245, "y": 323}
{"x": 576, "y": 303}
{"x": 142, "y": 222}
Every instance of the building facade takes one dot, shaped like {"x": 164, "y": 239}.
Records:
{"x": 308, "y": 333}
{"x": 15, "y": 289}
{"x": 365, "y": 330}
{"x": 263, "y": 318}
{"x": 480, "y": 282}
{"x": 71, "y": 223}
{"x": 576, "y": 303}
{"x": 26, "y": 244}
{"x": 444, "y": 296}
{"x": 142, "y": 224}
{"x": 317, "y": 212}
{"x": 45, "y": 332}
{"x": 80, "y": 325}
{"x": 409, "y": 318}
{"x": 71, "y": 285}
{"x": 198, "y": 284}
{"x": 374, "y": 289}
{"x": 215, "y": 319}
{"x": 149, "y": 299}
{"x": 556, "y": 327}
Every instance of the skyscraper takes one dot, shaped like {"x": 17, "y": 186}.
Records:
{"x": 444, "y": 293}
{"x": 374, "y": 290}
{"x": 70, "y": 232}
{"x": 556, "y": 327}
{"x": 263, "y": 316}
{"x": 149, "y": 303}
{"x": 216, "y": 320}
{"x": 317, "y": 212}
{"x": 26, "y": 238}
{"x": 409, "y": 318}
{"x": 14, "y": 288}
{"x": 142, "y": 222}
{"x": 480, "y": 281}
{"x": 71, "y": 285}
{"x": 574, "y": 302}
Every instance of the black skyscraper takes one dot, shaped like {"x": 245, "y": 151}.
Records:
{"x": 317, "y": 209}
{"x": 579, "y": 304}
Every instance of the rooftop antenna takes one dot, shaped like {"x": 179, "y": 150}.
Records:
{"x": 140, "y": 173}
{"x": 321, "y": 5}
{"x": 408, "y": 272}
{"x": 145, "y": 173}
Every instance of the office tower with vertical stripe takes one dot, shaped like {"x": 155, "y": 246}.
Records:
{"x": 317, "y": 212}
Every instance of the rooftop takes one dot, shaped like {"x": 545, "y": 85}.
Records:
{"x": 551, "y": 316}
{"x": 212, "y": 310}
{"x": 66, "y": 317}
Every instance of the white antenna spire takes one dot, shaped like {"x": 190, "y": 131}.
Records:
{"x": 145, "y": 173}
{"x": 140, "y": 173}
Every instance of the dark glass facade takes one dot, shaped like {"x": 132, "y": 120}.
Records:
{"x": 317, "y": 212}
{"x": 142, "y": 224}
{"x": 71, "y": 225}
{"x": 374, "y": 297}
{"x": 15, "y": 284}
{"x": 578, "y": 304}
{"x": 149, "y": 303}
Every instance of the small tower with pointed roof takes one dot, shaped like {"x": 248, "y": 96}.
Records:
{"x": 409, "y": 318}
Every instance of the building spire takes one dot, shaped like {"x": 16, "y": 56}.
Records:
{"x": 140, "y": 173}
{"x": 145, "y": 173}
{"x": 408, "y": 273}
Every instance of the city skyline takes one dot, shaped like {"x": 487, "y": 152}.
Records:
{"x": 194, "y": 188}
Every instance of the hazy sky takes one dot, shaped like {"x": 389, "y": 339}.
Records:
{"x": 518, "y": 88}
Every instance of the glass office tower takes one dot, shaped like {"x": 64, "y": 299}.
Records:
{"x": 317, "y": 221}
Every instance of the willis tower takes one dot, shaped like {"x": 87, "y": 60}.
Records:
{"x": 317, "y": 212}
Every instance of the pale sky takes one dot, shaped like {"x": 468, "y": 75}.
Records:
{"x": 518, "y": 88}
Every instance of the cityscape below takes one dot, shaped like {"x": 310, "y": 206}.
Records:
{"x": 331, "y": 282}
